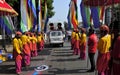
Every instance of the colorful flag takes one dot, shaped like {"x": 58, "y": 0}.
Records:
{"x": 46, "y": 19}
{"x": 74, "y": 14}
{"x": 33, "y": 15}
{"x": 101, "y": 10}
{"x": 95, "y": 16}
{"x": 70, "y": 26}
{"x": 24, "y": 17}
{"x": 84, "y": 16}
{"x": 7, "y": 24}
{"x": 40, "y": 17}
{"x": 69, "y": 20}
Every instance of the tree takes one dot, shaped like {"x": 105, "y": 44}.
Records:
{"x": 49, "y": 6}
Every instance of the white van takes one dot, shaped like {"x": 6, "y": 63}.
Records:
{"x": 56, "y": 37}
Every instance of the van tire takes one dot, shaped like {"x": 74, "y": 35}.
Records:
{"x": 62, "y": 44}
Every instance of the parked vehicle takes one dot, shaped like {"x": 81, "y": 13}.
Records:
{"x": 56, "y": 37}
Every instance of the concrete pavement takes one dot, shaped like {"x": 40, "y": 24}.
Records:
{"x": 60, "y": 61}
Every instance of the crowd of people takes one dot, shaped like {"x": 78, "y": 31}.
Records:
{"x": 25, "y": 46}
{"x": 108, "y": 58}
{"x": 28, "y": 45}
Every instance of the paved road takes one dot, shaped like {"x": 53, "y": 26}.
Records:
{"x": 60, "y": 60}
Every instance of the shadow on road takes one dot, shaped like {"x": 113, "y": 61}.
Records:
{"x": 7, "y": 69}
{"x": 65, "y": 71}
{"x": 63, "y": 60}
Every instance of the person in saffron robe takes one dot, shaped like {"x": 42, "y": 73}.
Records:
{"x": 40, "y": 41}
{"x": 115, "y": 53}
{"x": 72, "y": 39}
{"x": 83, "y": 44}
{"x": 17, "y": 52}
{"x": 92, "y": 47}
{"x": 77, "y": 42}
{"x": 28, "y": 34}
{"x": 43, "y": 40}
{"x": 34, "y": 44}
{"x": 26, "y": 50}
{"x": 103, "y": 47}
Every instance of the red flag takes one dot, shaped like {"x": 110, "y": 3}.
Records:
{"x": 74, "y": 14}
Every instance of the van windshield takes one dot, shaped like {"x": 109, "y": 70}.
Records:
{"x": 56, "y": 33}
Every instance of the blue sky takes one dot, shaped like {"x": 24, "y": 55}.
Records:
{"x": 61, "y": 10}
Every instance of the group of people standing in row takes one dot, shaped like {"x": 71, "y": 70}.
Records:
{"x": 108, "y": 58}
{"x": 25, "y": 46}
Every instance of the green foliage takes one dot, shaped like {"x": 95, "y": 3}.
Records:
{"x": 12, "y": 2}
{"x": 49, "y": 6}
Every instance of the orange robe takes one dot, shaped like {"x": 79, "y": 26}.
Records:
{"x": 103, "y": 53}
{"x": 26, "y": 50}
{"x": 83, "y": 44}
{"x": 17, "y": 45}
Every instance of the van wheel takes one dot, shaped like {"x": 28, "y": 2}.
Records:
{"x": 62, "y": 44}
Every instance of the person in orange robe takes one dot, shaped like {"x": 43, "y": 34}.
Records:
{"x": 17, "y": 52}
{"x": 40, "y": 41}
{"x": 26, "y": 50}
{"x": 28, "y": 34}
{"x": 83, "y": 44}
{"x": 34, "y": 45}
{"x": 115, "y": 50}
{"x": 104, "y": 45}
{"x": 72, "y": 39}
{"x": 77, "y": 42}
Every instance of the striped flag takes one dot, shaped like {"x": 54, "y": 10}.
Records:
{"x": 70, "y": 26}
{"x": 74, "y": 14}
{"x": 101, "y": 10}
{"x": 7, "y": 24}
{"x": 46, "y": 19}
{"x": 40, "y": 16}
{"x": 24, "y": 17}
{"x": 91, "y": 15}
{"x": 69, "y": 20}
{"x": 33, "y": 15}
{"x": 84, "y": 16}
{"x": 95, "y": 17}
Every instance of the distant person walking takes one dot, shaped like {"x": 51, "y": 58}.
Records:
{"x": 104, "y": 44}
{"x": 92, "y": 47}
{"x": 17, "y": 52}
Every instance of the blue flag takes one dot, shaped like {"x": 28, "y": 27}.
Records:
{"x": 95, "y": 17}
{"x": 83, "y": 14}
